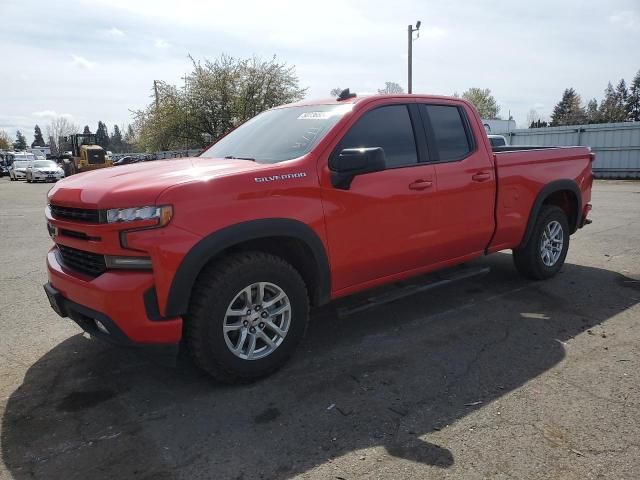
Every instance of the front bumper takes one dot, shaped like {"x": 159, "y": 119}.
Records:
{"x": 122, "y": 301}
{"x": 47, "y": 177}
{"x": 19, "y": 175}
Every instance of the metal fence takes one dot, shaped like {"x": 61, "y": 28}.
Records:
{"x": 617, "y": 145}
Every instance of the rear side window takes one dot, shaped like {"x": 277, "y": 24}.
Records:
{"x": 449, "y": 130}
{"x": 387, "y": 127}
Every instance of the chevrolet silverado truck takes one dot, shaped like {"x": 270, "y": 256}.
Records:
{"x": 225, "y": 253}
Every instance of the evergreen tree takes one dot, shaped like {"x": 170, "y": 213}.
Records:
{"x": 116, "y": 139}
{"x": 102, "y": 135}
{"x": 632, "y": 106}
{"x": 611, "y": 107}
{"x": 593, "y": 116}
{"x": 21, "y": 142}
{"x": 622, "y": 94}
{"x": 129, "y": 139}
{"x": 38, "y": 140}
{"x": 86, "y": 130}
{"x": 569, "y": 110}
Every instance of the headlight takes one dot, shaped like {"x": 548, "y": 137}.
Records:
{"x": 161, "y": 214}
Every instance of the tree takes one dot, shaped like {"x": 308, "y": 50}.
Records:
{"x": 59, "y": 127}
{"x": 390, "y": 88}
{"x": 593, "y": 115}
{"x": 6, "y": 142}
{"x": 116, "y": 139}
{"x": 21, "y": 142}
{"x": 335, "y": 91}
{"x": 569, "y": 110}
{"x": 130, "y": 139}
{"x": 102, "y": 135}
{"x": 38, "y": 141}
{"x": 484, "y": 102}
{"x": 612, "y": 107}
{"x": 534, "y": 119}
{"x": 87, "y": 130}
{"x": 632, "y": 106}
{"x": 218, "y": 95}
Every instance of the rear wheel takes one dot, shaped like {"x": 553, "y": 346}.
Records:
{"x": 544, "y": 254}
{"x": 247, "y": 315}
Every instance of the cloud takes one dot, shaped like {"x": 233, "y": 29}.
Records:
{"x": 51, "y": 114}
{"x": 625, "y": 18}
{"x": 82, "y": 62}
{"x": 160, "y": 43}
{"x": 115, "y": 32}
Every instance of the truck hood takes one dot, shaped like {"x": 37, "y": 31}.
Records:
{"x": 140, "y": 184}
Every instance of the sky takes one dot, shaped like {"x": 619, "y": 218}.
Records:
{"x": 96, "y": 60}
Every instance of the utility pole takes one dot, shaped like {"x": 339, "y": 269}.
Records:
{"x": 155, "y": 89}
{"x": 410, "y": 30}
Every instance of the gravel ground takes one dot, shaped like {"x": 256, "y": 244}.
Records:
{"x": 491, "y": 377}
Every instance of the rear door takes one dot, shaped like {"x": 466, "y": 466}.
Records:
{"x": 382, "y": 224}
{"x": 466, "y": 181}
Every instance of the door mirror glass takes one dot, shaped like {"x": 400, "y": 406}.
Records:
{"x": 355, "y": 161}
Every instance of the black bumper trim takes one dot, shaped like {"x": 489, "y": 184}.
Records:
{"x": 85, "y": 317}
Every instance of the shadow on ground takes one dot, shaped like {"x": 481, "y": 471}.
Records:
{"x": 383, "y": 377}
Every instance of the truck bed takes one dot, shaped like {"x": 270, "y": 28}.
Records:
{"x": 522, "y": 172}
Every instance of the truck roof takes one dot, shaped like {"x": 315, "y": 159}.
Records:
{"x": 362, "y": 98}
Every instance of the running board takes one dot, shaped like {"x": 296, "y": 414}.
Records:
{"x": 406, "y": 291}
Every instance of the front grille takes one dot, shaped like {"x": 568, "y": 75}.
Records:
{"x": 88, "y": 215}
{"x": 89, "y": 263}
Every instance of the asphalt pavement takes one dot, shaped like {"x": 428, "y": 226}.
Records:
{"x": 490, "y": 377}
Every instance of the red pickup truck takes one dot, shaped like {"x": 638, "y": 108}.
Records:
{"x": 300, "y": 205}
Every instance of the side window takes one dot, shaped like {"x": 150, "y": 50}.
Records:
{"x": 387, "y": 127}
{"x": 449, "y": 131}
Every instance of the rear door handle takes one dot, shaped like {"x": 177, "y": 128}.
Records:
{"x": 481, "y": 177}
{"x": 420, "y": 184}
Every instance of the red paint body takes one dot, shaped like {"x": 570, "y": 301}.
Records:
{"x": 389, "y": 225}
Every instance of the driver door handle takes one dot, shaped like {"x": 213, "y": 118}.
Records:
{"x": 420, "y": 184}
{"x": 481, "y": 177}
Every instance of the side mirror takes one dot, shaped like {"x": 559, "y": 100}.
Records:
{"x": 355, "y": 161}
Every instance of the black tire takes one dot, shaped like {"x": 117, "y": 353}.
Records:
{"x": 528, "y": 259}
{"x": 214, "y": 291}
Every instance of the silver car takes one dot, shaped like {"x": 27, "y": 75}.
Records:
{"x": 18, "y": 170}
{"x": 44, "y": 171}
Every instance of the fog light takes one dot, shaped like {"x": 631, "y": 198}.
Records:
{"x": 128, "y": 262}
{"x": 101, "y": 327}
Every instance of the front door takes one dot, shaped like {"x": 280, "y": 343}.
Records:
{"x": 382, "y": 224}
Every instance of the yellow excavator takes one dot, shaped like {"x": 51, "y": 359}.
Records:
{"x": 82, "y": 153}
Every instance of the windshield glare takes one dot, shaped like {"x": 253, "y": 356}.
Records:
{"x": 45, "y": 165}
{"x": 20, "y": 164}
{"x": 279, "y": 134}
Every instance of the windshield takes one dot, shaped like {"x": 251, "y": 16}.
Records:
{"x": 17, "y": 164}
{"x": 45, "y": 164}
{"x": 280, "y": 134}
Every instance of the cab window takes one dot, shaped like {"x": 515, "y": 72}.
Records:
{"x": 388, "y": 127}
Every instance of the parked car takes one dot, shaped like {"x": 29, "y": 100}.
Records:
{"x": 125, "y": 161}
{"x": 44, "y": 171}
{"x": 303, "y": 204}
{"x": 498, "y": 141}
{"x": 18, "y": 170}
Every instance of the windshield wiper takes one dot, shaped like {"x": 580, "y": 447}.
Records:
{"x": 233, "y": 157}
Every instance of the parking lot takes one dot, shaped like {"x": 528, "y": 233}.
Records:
{"x": 491, "y": 377}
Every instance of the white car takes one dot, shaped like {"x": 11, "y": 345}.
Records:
{"x": 18, "y": 170}
{"x": 44, "y": 171}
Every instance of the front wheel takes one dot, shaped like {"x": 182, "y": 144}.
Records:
{"x": 544, "y": 253}
{"x": 248, "y": 313}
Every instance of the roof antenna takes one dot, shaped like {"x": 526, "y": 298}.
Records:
{"x": 345, "y": 95}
